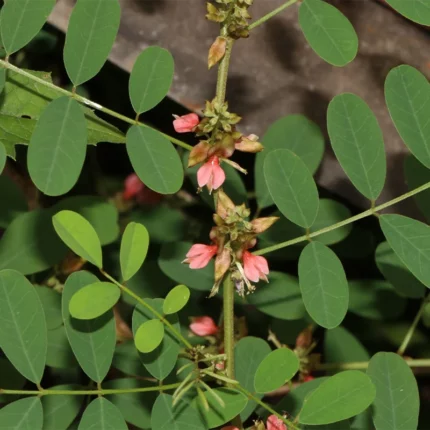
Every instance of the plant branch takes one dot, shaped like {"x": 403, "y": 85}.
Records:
{"x": 354, "y": 218}
{"x": 228, "y": 309}
{"x": 221, "y": 85}
{"x": 126, "y": 290}
{"x": 88, "y": 102}
{"x": 412, "y": 328}
{"x": 274, "y": 12}
{"x": 103, "y": 392}
{"x": 362, "y": 365}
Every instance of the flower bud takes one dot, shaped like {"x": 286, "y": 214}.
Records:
{"x": 199, "y": 153}
{"x": 186, "y": 123}
{"x": 222, "y": 263}
{"x": 203, "y": 326}
{"x": 249, "y": 144}
{"x": 262, "y": 224}
{"x": 225, "y": 205}
{"x": 304, "y": 339}
{"x": 217, "y": 51}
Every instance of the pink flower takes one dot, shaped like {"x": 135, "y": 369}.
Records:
{"x": 203, "y": 326}
{"x": 211, "y": 174}
{"x": 275, "y": 423}
{"x": 135, "y": 188}
{"x": 199, "y": 255}
{"x": 255, "y": 267}
{"x": 186, "y": 123}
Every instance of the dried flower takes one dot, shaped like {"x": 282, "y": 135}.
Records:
{"x": 249, "y": 144}
{"x": 217, "y": 51}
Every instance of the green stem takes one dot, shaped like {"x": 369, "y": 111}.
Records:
{"x": 228, "y": 309}
{"x": 361, "y": 365}
{"x": 126, "y": 290}
{"x": 102, "y": 392}
{"x": 412, "y": 328}
{"x": 88, "y": 102}
{"x": 264, "y": 18}
{"x": 221, "y": 85}
{"x": 354, "y": 218}
{"x": 290, "y": 424}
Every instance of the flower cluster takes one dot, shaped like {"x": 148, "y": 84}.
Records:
{"x": 232, "y": 237}
{"x": 273, "y": 423}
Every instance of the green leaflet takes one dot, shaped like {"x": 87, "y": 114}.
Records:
{"x": 2, "y": 78}
{"x": 151, "y": 78}
{"x": 3, "y": 155}
{"x": 92, "y": 30}
{"x": 323, "y": 284}
{"x": 161, "y": 361}
{"x": 126, "y": 359}
{"x": 407, "y": 94}
{"x": 275, "y": 370}
{"x": 397, "y": 402}
{"x": 21, "y": 20}
{"x": 60, "y": 354}
{"x": 281, "y": 298}
{"x": 397, "y": 273}
{"x": 23, "y": 335}
{"x": 23, "y": 414}
{"x": 79, "y": 235}
{"x": 342, "y": 396}
{"x": 57, "y": 148}
{"x": 165, "y": 416}
{"x": 51, "y": 303}
{"x": 30, "y": 244}
{"x": 92, "y": 341}
{"x": 101, "y": 414}
{"x": 149, "y": 336}
{"x": 328, "y": 31}
{"x": 154, "y": 159}
{"x": 249, "y": 352}
{"x": 134, "y": 247}
{"x": 293, "y": 132}
{"x": 291, "y": 186}
{"x": 176, "y": 299}
{"x": 410, "y": 240}
{"x": 416, "y": 10}
{"x": 358, "y": 143}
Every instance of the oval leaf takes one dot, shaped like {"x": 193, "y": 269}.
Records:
{"x": 176, "y": 299}
{"x": 340, "y": 397}
{"x": 79, "y": 235}
{"x": 299, "y": 135}
{"x": 93, "y": 300}
{"x": 275, "y": 370}
{"x": 21, "y": 20}
{"x": 249, "y": 352}
{"x": 56, "y": 152}
{"x": 3, "y": 156}
{"x": 161, "y": 361}
{"x": 410, "y": 240}
{"x": 92, "y": 341}
{"x": 154, "y": 159}
{"x": 291, "y": 186}
{"x": 92, "y": 30}
{"x": 23, "y": 334}
{"x": 397, "y": 273}
{"x": 328, "y": 31}
{"x": 134, "y": 247}
{"x": 397, "y": 402}
{"x": 415, "y": 10}
{"x": 180, "y": 417}
{"x": 218, "y": 415}
{"x": 149, "y": 336}
{"x": 51, "y": 303}
{"x": 358, "y": 143}
{"x": 323, "y": 284}
{"x": 101, "y": 414}
{"x": 23, "y": 414}
{"x": 407, "y": 94}
{"x": 151, "y": 78}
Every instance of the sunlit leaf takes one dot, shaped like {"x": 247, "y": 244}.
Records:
{"x": 151, "y": 78}
{"x": 79, "y": 235}
{"x": 149, "y": 336}
{"x": 154, "y": 159}
{"x": 101, "y": 414}
{"x": 91, "y": 32}
{"x": 342, "y": 396}
{"x": 21, "y": 20}
{"x": 275, "y": 370}
{"x": 407, "y": 94}
{"x": 328, "y": 31}
{"x": 57, "y": 148}
{"x": 397, "y": 402}
{"x": 92, "y": 341}
{"x": 416, "y": 10}
{"x": 323, "y": 284}
{"x": 291, "y": 186}
{"x": 23, "y": 336}
{"x": 410, "y": 240}
{"x": 176, "y": 299}
{"x": 134, "y": 247}
{"x": 23, "y": 414}
{"x": 358, "y": 143}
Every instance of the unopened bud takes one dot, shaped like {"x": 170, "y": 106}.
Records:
{"x": 225, "y": 205}
{"x": 262, "y": 224}
{"x": 217, "y": 51}
{"x": 304, "y": 339}
{"x": 222, "y": 264}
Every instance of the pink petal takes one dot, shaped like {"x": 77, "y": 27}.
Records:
{"x": 261, "y": 264}
{"x": 132, "y": 186}
{"x": 197, "y": 249}
{"x": 251, "y": 271}
{"x": 274, "y": 423}
{"x": 218, "y": 176}
{"x": 186, "y": 123}
{"x": 204, "y": 174}
{"x": 203, "y": 326}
